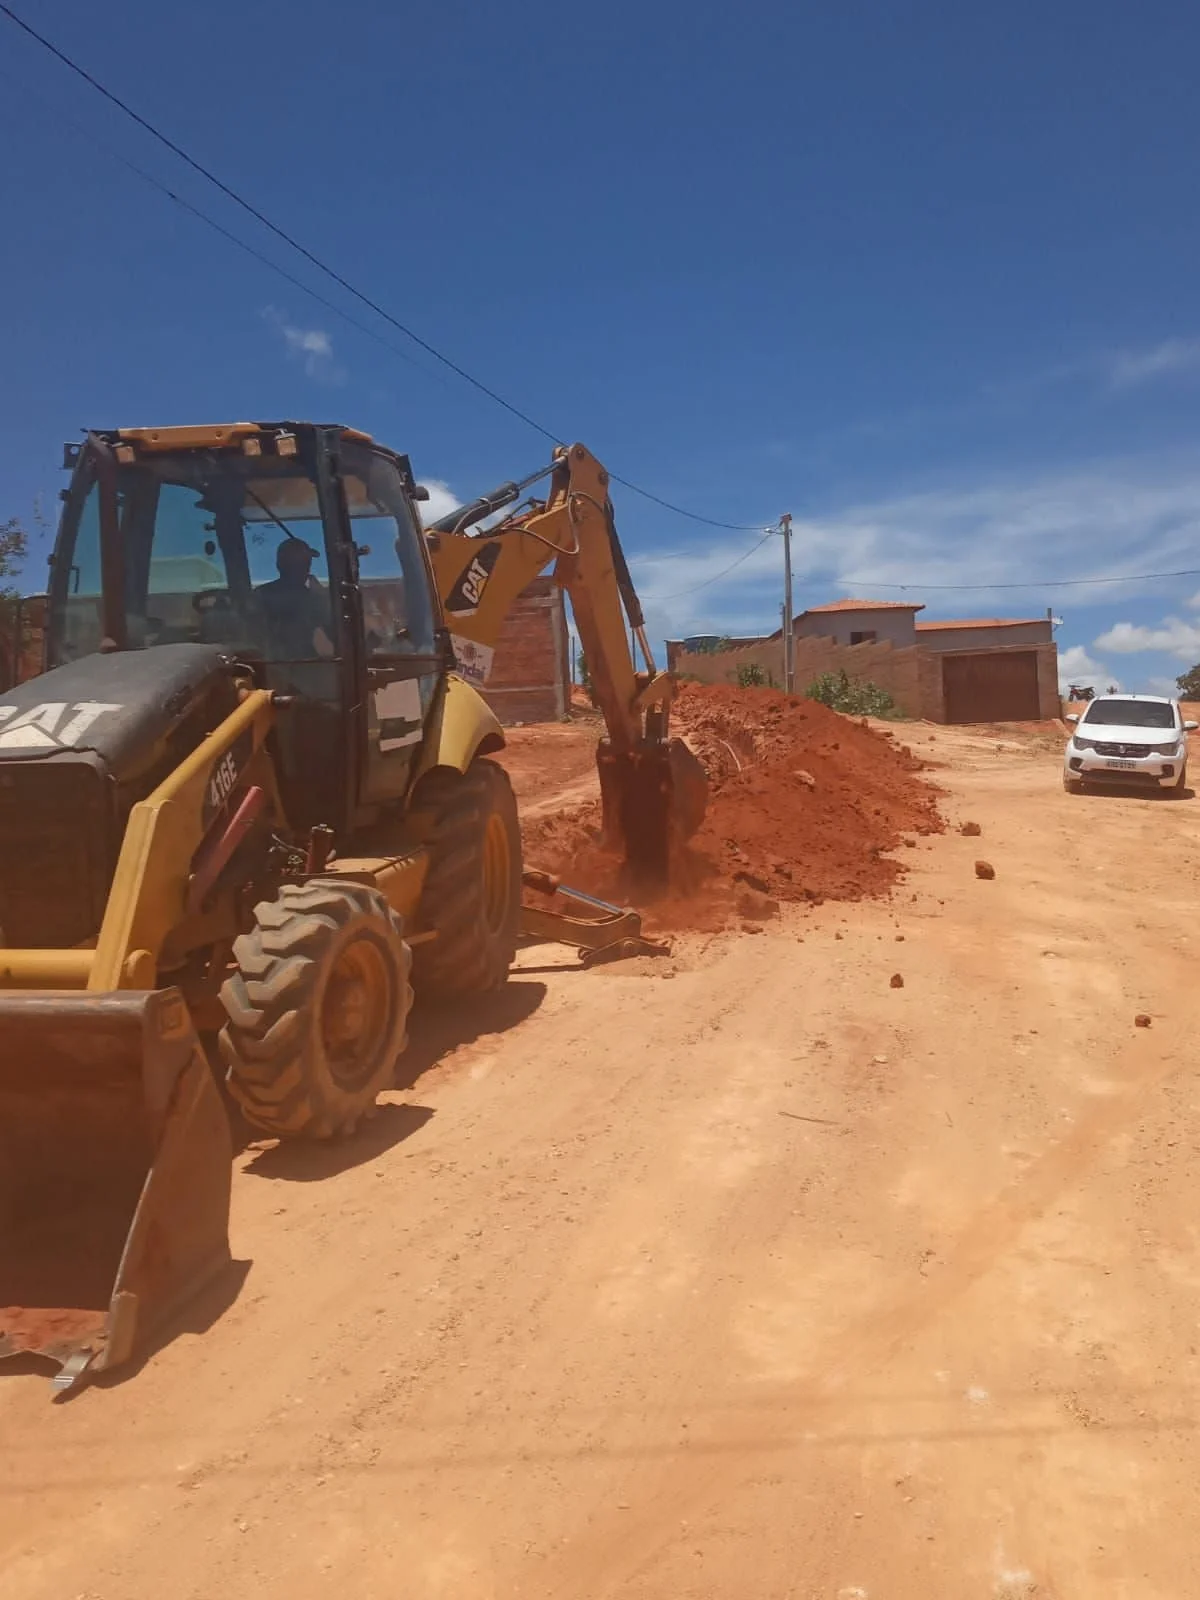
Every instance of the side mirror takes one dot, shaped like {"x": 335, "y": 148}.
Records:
{"x": 1072, "y": 716}
{"x": 1190, "y": 727}
{"x": 420, "y": 492}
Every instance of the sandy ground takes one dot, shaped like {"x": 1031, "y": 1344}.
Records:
{"x": 742, "y": 1276}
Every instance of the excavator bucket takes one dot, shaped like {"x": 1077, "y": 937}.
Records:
{"x": 652, "y": 798}
{"x": 115, "y": 1173}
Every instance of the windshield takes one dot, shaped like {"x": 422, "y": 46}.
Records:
{"x": 229, "y": 549}
{"x": 1130, "y": 714}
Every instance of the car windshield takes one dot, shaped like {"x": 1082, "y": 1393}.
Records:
{"x": 1130, "y": 714}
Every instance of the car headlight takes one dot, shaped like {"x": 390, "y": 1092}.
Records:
{"x": 1171, "y": 749}
{"x": 1083, "y": 744}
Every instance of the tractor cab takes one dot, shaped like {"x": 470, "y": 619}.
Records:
{"x": 295, "y": 549}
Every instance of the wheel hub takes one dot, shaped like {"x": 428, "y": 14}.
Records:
{"x": 354, "y": 1009}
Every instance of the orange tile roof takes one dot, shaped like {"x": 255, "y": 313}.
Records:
{"x": 981, "y": 622}
{"x": 863, "y": 605}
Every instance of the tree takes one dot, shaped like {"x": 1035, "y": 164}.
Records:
{"x": 1189, "y": 683}
{"x": 585, "y": 677}
{"x": 13, "y": 547}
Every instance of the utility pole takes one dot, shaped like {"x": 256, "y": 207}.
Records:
{"x": 789, "y": 652}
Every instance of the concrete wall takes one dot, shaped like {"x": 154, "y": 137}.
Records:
{"x": 1049, "y": 700}
{"x": 528, "y": 681}
{"x": 897, "y": 671}
{"x": 891, "y": 627}
{"x": 1009, "y": 637}
{"x": 913, "y": 677}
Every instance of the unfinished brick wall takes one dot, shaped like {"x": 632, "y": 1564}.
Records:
{"x": 896, "y": 670}
{"x": 528, "y": 680}
{"x": 22, "y": 628}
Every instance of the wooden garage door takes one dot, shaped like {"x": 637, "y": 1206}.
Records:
{"x": 994, "y": 686}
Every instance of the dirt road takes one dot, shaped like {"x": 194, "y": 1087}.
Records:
{"x": 745, "y": 1276}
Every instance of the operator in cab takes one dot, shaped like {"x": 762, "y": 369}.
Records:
{"x": 295, "y": 607}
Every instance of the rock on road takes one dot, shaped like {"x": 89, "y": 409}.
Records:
{"x": 741, "y": 1276}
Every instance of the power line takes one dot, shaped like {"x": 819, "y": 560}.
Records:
{"x": 330, "y": 272}
{"x": 232, "y": 238}
{"x": 718, "y": 576}
{"x": 1034, "y": 583}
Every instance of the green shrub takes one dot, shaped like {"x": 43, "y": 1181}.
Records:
{"x": 751, "y": 676}
{"x": 840, "y": 692}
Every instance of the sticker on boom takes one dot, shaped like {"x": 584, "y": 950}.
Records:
{"x": 467, "y": 593}
{"x": 224, "y": 777}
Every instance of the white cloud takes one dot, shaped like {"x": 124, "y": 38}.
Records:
{"x": 1133, "y": 516}
{"x": 442, "y": 499}
{"x": 1173, "y": 635}
{"x": 312, "y": 347}
{"x": 1075, "y": 665}
{"x": 1169, "y": 359}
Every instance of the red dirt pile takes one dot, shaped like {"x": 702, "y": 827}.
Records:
{"x": 803, "y": 804}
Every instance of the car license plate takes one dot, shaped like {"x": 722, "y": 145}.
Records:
{"x": 1122, "y": 766}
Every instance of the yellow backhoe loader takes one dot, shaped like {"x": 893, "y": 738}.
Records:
{"x": 250, "y": 802}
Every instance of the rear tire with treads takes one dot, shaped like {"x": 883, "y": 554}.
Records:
{"x": 472, "y": 892}
{"x": 317, "y": 1008}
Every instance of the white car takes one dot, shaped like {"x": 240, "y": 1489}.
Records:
{"x": 1128, "y": 738}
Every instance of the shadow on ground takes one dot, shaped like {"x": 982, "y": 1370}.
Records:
{"x": 198, "y": 1315}
{"x": 438, "y": 1029}
{"x": 435, "y": 1031}
{"x": 310, "y": 1161}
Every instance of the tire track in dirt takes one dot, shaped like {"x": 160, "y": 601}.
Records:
{"x": 615, "y": 1550}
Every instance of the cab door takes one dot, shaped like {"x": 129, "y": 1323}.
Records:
{"x": 402, "y": 660}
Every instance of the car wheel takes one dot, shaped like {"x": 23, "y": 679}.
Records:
{"x": 1072, "y": 785}
{"x": 1179, "y": 788}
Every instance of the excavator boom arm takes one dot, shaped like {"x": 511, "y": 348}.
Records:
{"x": 479, "y": 576}
{"x": 652, "y": 787}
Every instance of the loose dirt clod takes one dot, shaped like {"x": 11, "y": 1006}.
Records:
{"x": 756, "y": 907}
{"x": 766, "y": 823}
{"x": 984, "y": 869}
{"x": 897, "y": 981}
{"x": 970, "y": 830}
{"x": 1141, "y": 1020}
{"x": 752, "y": 880}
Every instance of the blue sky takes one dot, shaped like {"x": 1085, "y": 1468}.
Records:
{"x": 923, "y": 276}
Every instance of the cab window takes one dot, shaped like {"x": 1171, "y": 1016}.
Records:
{"x": 398, "y": 614}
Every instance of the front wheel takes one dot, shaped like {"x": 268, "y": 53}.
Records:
{"x": 317, "y": 1008}
{"x": 472, "y": 894}
{"x": 1072, "y": 785}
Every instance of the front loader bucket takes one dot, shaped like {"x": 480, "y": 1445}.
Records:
{"x": 652, "y": 798}
{"x": 115, "y": 1172}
